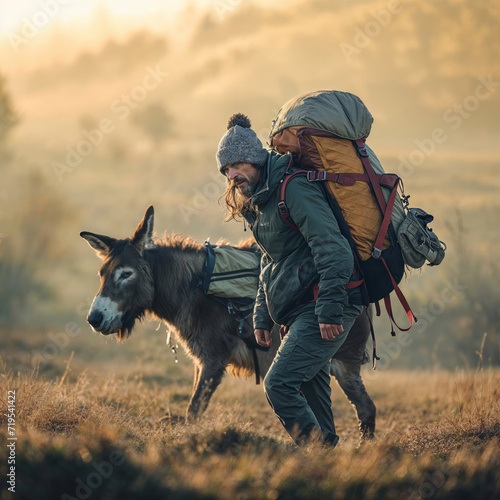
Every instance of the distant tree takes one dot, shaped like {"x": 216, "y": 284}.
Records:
{"x": 8, "y": 117}
{"x": 31, "y": 231}
{"x": 155, "y": 122}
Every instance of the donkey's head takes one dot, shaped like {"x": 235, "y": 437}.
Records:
{"x": 126, "y": 290}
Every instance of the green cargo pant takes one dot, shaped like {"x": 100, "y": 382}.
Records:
{"x": 297, "y": 384}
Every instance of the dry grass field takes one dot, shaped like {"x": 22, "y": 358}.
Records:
{"x": 89, "y": 435}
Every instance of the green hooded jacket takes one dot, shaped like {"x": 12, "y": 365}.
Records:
{"x": 294, "y": 261}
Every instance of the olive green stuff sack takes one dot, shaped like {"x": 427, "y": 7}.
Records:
{"x": 231, "y": 273}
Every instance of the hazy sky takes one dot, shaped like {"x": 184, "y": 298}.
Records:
{"x": 13, "y": 13}
{"x": 38, "y": 32}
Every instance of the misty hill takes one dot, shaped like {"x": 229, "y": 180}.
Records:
{"x": 114, "y": 60}
{"x": 415, "y": 64}
{"x": 409, "y": 65}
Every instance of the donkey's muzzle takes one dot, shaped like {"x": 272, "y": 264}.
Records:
{"x": 95, "y": 319}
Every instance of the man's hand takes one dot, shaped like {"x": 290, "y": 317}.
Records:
{"x": 329, "y": 332}
{"x": 263, "y": 337}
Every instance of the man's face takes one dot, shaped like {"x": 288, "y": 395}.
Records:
{"x": 245, "y": 177}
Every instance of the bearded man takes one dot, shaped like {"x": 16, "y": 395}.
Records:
{"x": 304, "y": 281}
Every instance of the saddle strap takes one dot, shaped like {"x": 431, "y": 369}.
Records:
{"x": 256, "y": 365}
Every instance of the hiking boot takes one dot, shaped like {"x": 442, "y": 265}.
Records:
{"x": 331, "y": 442}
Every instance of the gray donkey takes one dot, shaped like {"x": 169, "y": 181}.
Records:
{"x": 140, "y": 276}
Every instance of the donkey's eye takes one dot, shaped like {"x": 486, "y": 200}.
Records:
{"x": 125, "y": 274}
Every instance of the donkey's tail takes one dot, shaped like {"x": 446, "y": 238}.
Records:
{"x": 241, "y": 363}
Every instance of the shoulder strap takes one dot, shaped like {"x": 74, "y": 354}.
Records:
{"x": 282, "y": 208}
{"x": 363, "y": 156}
{"x": 314, "y": 175}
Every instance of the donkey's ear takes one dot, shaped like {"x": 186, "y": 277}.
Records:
{"x": 143, "y": 236}
{"x": 101, "y": 244}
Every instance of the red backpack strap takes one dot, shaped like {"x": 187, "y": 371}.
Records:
{"x": 363, "y": 155}
{"x": 283, "y": 209}
{"x": 376, "y": 181}
{"x": 387, "y": 300}
{"x": 386, "y": 207}
{"x": 379, "y": 242}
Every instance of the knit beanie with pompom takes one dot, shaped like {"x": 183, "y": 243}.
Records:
{"x": 240, "y": 144}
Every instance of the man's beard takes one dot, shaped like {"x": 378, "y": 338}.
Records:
{"x": 249, "y": 190}
{"x": 250, "y": 187}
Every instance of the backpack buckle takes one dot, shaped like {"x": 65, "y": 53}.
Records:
{"x": 316, "y": 175}
{"x": 376, "y": 253}
{"x": 362, "y": 152}
{"x": 282, "y": 207}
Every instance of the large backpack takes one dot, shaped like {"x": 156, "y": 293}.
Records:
{"x": 326, "y": 132}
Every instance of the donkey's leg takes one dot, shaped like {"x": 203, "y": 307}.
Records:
{"x": 209, "y": 379}
{"x": 197, "y": 373}
{"x": 349, "y": 379}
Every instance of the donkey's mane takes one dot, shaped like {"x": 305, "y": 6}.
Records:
{"x": 181, "y": 242}
{"x": 178, "y": 242}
